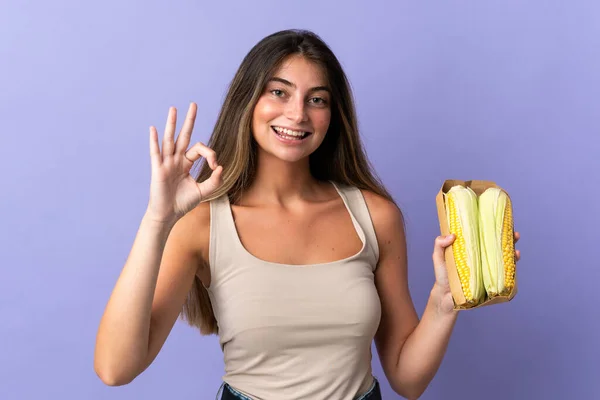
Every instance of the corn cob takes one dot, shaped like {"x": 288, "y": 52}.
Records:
{"x": 497, "y": 245}
{"x": 462, "y": 214}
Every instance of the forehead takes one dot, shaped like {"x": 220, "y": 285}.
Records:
{"x": 300, "y": 71}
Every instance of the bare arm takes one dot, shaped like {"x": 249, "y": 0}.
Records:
{"x": 424, "y": 349}
{"x": 164, "y": 258}
{"x": 146, "y": 300}
{"x": 410, "y": 350}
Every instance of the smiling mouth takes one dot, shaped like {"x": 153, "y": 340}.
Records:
{"x": 289, "y": 134}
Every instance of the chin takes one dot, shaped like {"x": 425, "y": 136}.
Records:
{"x": 286, "y": 155}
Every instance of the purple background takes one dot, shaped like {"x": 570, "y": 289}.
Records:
{"x": 497, "y": 90}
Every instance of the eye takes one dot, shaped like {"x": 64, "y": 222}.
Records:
{"x": 318, "y": 100}
{"x": 277, "y": 92}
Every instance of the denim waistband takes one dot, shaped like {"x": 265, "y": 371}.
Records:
{"x": 373, "y": 393}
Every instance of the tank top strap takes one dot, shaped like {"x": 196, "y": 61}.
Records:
{"x": 358, "y": 207}
{"x": 222, "y": 243}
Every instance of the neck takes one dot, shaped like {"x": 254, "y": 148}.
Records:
{"x": 279, "y": 182}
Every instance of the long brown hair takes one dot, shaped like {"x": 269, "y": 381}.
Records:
{"x": 340, "y": 157}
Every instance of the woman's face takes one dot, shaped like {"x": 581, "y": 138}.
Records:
{"x": 292, "y": 115}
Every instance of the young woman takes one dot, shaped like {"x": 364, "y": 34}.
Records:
{"x": 286, "y": 245}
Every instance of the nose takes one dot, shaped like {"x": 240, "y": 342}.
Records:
{"x": 295, "y": 110}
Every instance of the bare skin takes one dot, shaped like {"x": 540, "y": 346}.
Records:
{"x": 285, "y": 217}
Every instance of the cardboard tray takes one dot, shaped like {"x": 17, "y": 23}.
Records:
{"x": 478, "y": 187}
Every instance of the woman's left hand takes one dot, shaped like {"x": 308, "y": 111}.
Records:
{"x": 442, "y": 285}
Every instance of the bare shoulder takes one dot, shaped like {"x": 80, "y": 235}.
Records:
{"x": 386, "y": 215}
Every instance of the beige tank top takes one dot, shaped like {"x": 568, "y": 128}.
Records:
{"x": 295, "y": 331}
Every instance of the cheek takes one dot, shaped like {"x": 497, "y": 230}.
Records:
{"x": 265, "y": 111}
{"x": 321, "y": 120}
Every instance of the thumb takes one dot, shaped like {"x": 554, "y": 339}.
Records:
{"x": 441, "y": 242}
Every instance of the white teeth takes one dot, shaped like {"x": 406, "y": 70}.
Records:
{"x": 289, "y": 132}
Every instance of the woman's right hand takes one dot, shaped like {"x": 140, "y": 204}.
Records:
{"x": 173, "y": 191}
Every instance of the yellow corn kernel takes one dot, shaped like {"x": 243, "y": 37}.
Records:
{"x": 497, "y": 242}
{"x": 461, "y": 211}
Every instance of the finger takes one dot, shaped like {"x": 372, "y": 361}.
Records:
{"x": 517, "y": 236}
{"x": 155, "y": 157}
{"x": 167, "y": 144}
{"x": 441, "y": 242}
{"x": 200, "y": 150}
{"x": 183, "y": 140}
{"x": 517, "y": 255}
{"x": 212, "y": 183}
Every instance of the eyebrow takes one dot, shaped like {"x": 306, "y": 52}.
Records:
{"x": 288, "y": 83}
